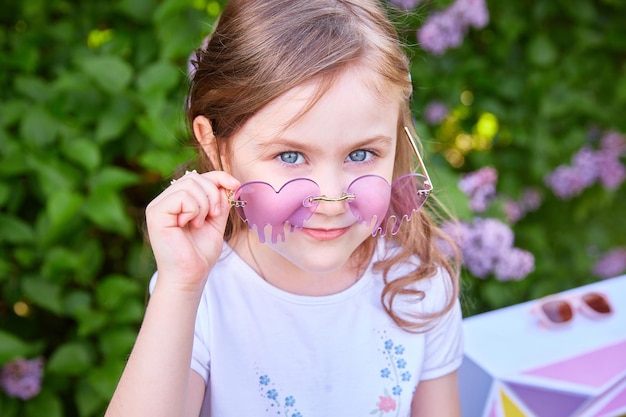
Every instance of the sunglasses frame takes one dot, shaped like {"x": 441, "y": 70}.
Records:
{"x": 575, "y": 303}
{"x": 346, "y": 196}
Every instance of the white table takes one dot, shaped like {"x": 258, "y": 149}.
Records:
{"x": 515, "y": 367}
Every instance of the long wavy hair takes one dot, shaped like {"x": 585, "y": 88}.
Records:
{"x": 260, "y": 49}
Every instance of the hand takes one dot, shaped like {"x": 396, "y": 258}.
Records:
{"x": 186, "y": 225}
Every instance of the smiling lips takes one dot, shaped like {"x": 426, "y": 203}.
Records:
{"x": 325, "y": 234}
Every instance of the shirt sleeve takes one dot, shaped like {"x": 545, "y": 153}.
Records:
{"x": 444, "y": 345}
{"x": 444, "y": 337}
{"x": 200, "y": 355}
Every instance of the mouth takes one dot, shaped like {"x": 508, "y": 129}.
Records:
{"x": 325, "y": 234}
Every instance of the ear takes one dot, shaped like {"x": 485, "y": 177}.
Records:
{"x": 203, "y": 132}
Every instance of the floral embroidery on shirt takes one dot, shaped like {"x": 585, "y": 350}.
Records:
{"x": 277, "y": 405}
{"x": 396, "y": 376}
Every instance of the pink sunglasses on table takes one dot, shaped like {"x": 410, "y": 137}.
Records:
{"x": 557, "y": 311}
{"x": 372, "y": 200}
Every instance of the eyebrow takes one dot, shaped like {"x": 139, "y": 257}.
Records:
{"x": 296, "y": 145}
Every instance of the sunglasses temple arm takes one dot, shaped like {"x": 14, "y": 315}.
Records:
{"x": 419, "y": 158}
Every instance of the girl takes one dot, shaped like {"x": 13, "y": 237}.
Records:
{"x": 308, "y": 299}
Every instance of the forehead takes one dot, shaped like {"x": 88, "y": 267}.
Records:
{"x": 354, "y": 103}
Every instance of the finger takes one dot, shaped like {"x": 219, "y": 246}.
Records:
{"x": 208, "y": 190}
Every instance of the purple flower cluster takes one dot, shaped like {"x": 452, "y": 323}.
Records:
{"x": 611, "y": 264}
{"x": 480, "y": 187}
{"x": 435, "y": 112}
{"x": 487, "y": 248}
{"x": 446, "y": 29}
{"x": 530, "y": 200}
{"x": 22, "y": 378}
{"x": 590, "y": 166}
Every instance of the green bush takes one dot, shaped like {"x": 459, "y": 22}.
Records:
{"x": 92, "y": 128}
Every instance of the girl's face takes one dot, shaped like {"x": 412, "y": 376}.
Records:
{"x": 348, "y": 133}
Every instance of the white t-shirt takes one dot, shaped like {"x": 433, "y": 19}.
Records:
{"x": 266, "y": 352}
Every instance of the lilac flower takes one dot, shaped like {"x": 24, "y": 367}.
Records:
{"x": 590, "y": 166}
{"x": 515, "y": 210}
{"x": 491, "y": 235}
{"x": 405, "y": 4}
{"x": 614, "y": 143}
{"x": 487, "y": 247}
{"x": 531, "y": 199}
{"x": 471, "y": 12}
{"x": 611, "y": 264}
{"x": 435, "y": 112}
{"x": 585, "y": 162}
{"x": 565, "y": 182}
{"x": 611, "y": 171}
{"x": 479, "y": 263}
{"x": 440, "y": 32}
{"x": 480, "y": 187}
{"x": 22, "y": 378}
{"x": 446, "y": 29}
{"x": 514, "y": 264}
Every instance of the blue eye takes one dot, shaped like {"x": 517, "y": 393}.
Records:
{"x": 291, "y": 157}
{"x": 359, "y": 155}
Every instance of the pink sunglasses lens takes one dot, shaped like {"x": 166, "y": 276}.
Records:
{"x": 557, "y": 311}
{"x": 374, "y": 202}
{"x": 408, "y": 195}
{"x": 597, "y": 302}
{"x": 260, "y": 205}
{"x": 371, "y": 199}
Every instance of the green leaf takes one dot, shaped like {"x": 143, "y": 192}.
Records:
{"x": 541, "y": 51}
{"x": 45, "y": 404}
{"x": 12, "y": 347}
{"x": 33, "y": 88}
{"x": 113, "y": 179}
{"x": 15, "y": 230}
{"x": 90, "y": 322}
{"x": 43, "y": 293}
{"x": 111, "y": 73}
{"x": 165, "y": 162}
{"x": 54, "y": 175}
{"x": 131, "y": 312}
{"x": 11, "y": 111}
{"x": 106, "y": 209}
{"x": 105, "y": 378}
{"x": 59, "y": 262}
{"x": 82, "y": 151}
{"x": 5, "y": 194}
{"x": 70, "y": 359}
{"x": 158, "y": 78}
{"x": 114, "y": 119}
{"x": 117, "y": 343}
{"x": 62, "y": 207}
{"x": 38, "y": 128}
{"x": 140, "y": 10}
{"x": 114, "y": 289}
{"x": 77, "y": 302}
{"x": 88, "y": 400}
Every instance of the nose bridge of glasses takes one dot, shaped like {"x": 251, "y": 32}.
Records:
{"x": 333, "y": 187}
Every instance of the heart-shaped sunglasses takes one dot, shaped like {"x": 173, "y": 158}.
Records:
{"x": 372, "y": 200}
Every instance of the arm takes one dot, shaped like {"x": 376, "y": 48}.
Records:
{"x": 185, "y": 225}
{"x": 437, "y": 397}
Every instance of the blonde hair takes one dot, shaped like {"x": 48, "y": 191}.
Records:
{"x": 260, "y": 49}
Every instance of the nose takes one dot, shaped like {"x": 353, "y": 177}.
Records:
{"x": 333, "y": 199}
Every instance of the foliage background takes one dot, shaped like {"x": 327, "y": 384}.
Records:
{"x": 91, "y": 129}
